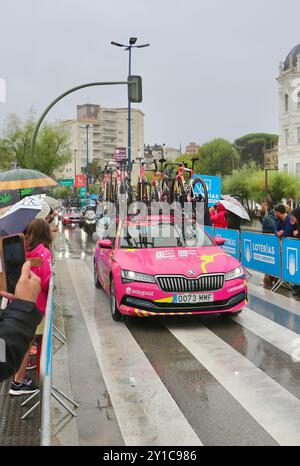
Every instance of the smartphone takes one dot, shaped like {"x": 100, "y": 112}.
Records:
{"x": 13, "y": 258}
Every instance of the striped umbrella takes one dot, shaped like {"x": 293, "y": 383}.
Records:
{"x": 22, "y": 178}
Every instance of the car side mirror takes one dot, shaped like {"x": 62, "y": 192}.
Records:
{"x": 219, "y": 240}
{"x": 105, "y": 243}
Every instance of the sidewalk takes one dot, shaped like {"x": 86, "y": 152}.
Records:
{"x": 14, "y": 431}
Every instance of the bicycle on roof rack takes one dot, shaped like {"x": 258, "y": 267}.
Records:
{"x": 156, "y": 185}
{"x": 107, "y": 187}
{"x": 193, "y": 190}
{"x": 143, "y": 185}
{"x": 123, "y": 181}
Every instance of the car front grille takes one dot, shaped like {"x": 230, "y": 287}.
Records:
{"x": 179, "y": 283}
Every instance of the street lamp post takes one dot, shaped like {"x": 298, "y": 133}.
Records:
{"x": 132, "y": 41}
{"x": 87, "y": 127}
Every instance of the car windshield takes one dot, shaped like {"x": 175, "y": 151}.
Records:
{"x": 163, "y": 235}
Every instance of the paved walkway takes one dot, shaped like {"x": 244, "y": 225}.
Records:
{"x": 14, "y": 431}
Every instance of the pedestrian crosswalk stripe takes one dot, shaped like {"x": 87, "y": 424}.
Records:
{"x": 279, "y": 336}
{"x": 146, "y": 412}
{"x": 272, "y": 406}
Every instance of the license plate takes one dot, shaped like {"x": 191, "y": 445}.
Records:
{"x": 193, "y": 298}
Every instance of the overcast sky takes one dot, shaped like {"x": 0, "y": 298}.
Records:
{"x": 210, "y": 70}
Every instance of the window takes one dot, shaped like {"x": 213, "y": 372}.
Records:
{"x": 298, "y": 134}
{"x": 298, "y": 101}
{"x": 286, "y": 102}
{"x": 298, "y": 170}
{"x": 286, "y": 167}
{"x": 286, "y": 134}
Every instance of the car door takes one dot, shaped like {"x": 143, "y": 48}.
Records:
{"x": 105, "y": 258}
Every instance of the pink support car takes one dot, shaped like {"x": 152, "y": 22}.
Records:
{"x": 156, "y": 268}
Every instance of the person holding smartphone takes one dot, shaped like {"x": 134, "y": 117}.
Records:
{"x": 38, "y": 241}
{"x": 18, "y": 322}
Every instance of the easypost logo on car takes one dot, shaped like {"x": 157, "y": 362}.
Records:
{"x": 129, "y": 290}
{"x": 261, "y": 252}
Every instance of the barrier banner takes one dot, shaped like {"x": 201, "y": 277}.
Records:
{"x": 291, "y": 260}
{"x": 209, "y": 230}
{"x": 214, "y": 188}
{"x": 232, "y": 243}
{"x": 261, "y": 252}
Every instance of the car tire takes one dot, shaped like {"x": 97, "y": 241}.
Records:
{"x": 96, "y": 281}
{"x": 115, "y": 313}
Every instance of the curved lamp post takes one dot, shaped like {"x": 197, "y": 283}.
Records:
{"x": 61, "y": 96}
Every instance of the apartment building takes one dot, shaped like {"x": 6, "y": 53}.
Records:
{"x": 97, "y": 131}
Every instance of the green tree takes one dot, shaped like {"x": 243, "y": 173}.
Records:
{"x": 251, "y": 147}
{"x": 239, "y": 183}
{"x": 62, "y": 192}
{"x": 52, "y": 150}
{"x": 216, "y": 157}
{"x": 248, "y": 182}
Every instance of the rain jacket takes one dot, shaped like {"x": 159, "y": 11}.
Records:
{"x": 44, "y": 272}
{"x": 286, "y": 226}
{"x": 296, "y": 227}
{"x": 219, "y": 219}
{"x": 18, "y": 323}
{"x": 268, "y": 222}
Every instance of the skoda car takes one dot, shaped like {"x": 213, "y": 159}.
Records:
{"x": 156, "y": 268}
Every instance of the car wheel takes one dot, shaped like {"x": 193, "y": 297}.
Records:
{"x": 96, "y": 281}
{"x": 115, "y": 313}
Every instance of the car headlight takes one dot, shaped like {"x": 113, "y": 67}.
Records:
{"x": 235, "y": 273}
{"x": 129, "y": 276}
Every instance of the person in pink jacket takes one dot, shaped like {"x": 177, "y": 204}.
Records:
{"x": 38, "y": 241}
{"x": 219, "y": 219}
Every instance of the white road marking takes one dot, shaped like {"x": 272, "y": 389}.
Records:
{"x": 274, "y": 333}
{"x": 272, "y": 406}
{"x": 146, "y": 412}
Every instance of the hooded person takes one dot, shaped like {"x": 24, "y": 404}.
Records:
{"x": 219, "y": 219}
{"x": 295, "y": 221}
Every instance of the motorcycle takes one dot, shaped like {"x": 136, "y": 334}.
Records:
{"x": 88, "y": 222}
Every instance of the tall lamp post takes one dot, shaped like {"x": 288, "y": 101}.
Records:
{"x": 75, "y": 160}
{"x": 132, "y": 41}
{"x": 87, "y": 127}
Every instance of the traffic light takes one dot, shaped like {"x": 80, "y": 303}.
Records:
{"x": 134, "y": 86}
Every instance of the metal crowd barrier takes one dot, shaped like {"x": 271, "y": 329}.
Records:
{"x": 47, "y": 389}
{"x": 264, "y": 253}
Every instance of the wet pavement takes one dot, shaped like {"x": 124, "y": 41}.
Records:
{"x": 200, "y": 380}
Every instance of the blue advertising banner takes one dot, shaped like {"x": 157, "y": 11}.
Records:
{"x": 213, "y": 184}
{"x": 232, "y": 243}
{"x": 291, "y": 260}
{"x": 261, "y": 252}
{"x": 209, "y": 230}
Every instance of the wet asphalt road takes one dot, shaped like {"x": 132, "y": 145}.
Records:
{"x": 177, "y": 381}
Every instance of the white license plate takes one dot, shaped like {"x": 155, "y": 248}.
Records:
{"x": 187, "y": 298}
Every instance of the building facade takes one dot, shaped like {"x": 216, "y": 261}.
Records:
{"x": 289, "y": 113}
{"x": 107, "y": 129}
{"x": 192, "y": 148}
